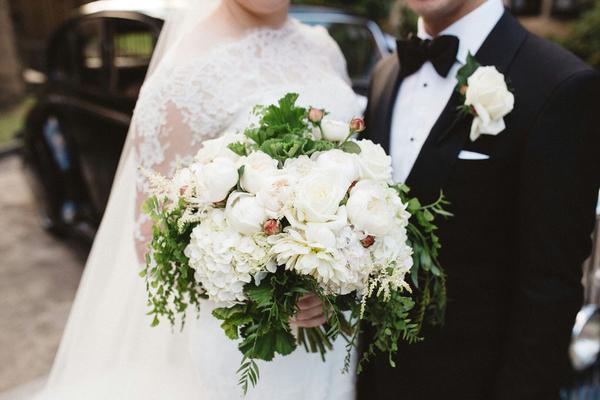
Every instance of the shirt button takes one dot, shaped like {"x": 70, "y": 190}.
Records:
{"x": 425, "y": 84}
{"x": 412, "y": 139}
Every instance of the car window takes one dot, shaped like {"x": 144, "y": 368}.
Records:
{"x": 132, "y": 46}
{"x": 61, "y": 64}
{"x": 88, "y": 38}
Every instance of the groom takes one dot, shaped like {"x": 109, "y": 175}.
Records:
{"x": 523, "y": 196}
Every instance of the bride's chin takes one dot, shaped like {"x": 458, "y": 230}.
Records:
{"x": 264, "y": 7}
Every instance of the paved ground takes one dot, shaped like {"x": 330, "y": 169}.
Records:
{"x": 38, "y": 278}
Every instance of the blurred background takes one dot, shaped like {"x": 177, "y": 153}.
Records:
{"x": 70, "y": 72}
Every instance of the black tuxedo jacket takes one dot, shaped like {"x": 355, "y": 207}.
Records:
{"x": 521, "y": 230}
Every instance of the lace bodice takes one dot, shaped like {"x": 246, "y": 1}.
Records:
{"x": 200, "y": 97}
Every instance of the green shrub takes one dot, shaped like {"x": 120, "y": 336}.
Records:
{"x": 584, "y": 39}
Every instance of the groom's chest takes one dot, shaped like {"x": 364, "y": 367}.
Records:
{"x": 421, "y": 126}
{"x": 418, "y": 104}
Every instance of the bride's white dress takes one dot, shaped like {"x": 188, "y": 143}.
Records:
{"x": 109, "y": 351}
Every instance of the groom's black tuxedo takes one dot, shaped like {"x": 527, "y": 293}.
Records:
{"x": 521, "y": 230}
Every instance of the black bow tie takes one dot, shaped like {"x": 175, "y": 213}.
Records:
{"x": 414, "y": 52}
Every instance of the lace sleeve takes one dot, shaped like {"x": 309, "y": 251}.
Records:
{"x": 169, "y": 124}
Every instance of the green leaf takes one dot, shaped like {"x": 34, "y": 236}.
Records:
{"x": 262, "y": 295}
{"x": 238, "y": 148}
{"x": 466, "y": 71}
{"x": 350, "y": 147}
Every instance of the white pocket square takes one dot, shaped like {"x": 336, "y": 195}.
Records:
{"x": 471, "y": 155}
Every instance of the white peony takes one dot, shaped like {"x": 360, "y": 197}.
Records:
{"x": 259, "y": 171}
{"x": 345, "y": 164}
{"x": 224, "y": 260}
{"x": 215, "y": 179}
{"x": 217, "y": 148}
{"x": 245, "y": 213}
{"x": 371, "y": 208}
{"x": 373, "y": 162}
{"x": 488, "y": 94}
{"x": 318, "y": 195}
{"x": 276, "y": 196}
{"x": 298, "y": 167}
{"x": 335, "y": 131}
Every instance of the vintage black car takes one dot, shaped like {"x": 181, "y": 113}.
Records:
{"x": 96, "y": 63}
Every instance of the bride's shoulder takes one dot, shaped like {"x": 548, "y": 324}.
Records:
{"x": 318, "y": 37}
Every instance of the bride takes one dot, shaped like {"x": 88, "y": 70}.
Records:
{"x": 212, "y": 65}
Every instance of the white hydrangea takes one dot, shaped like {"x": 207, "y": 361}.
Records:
{"x": 225, "y": 260}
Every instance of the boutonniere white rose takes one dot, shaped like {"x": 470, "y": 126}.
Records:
{"x": 486, "y": 97}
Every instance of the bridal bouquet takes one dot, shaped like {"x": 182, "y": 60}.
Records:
{"x": 292, "y": 206}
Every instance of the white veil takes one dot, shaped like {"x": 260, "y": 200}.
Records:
{"x": 108, "y": 350}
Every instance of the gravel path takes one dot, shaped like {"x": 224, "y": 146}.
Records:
{"x": 39, "y": 275}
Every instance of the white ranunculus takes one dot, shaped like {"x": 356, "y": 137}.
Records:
{"x": 370, "y": 209}
{"x": 318, "y": 196}
{"x": 217, "y": 148}
{"x": 245, "y": 214}
{"x": 488, "y": 94}
{"x": 259, "y": 171}
{"x": 373, "y": 162}
{"x": 345, "y": 164}
{"x": 335, "y": 131}
{"x": 215, "y": 179}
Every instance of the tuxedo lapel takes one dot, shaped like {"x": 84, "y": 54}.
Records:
{"x": 451, "y": 131}
{"x": 383, "y": 96}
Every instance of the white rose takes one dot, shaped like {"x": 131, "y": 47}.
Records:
{"x": 318, "y": 196}
{"x": 244, "y": 213}
{"x": 259, "y": 172}
{"x": 373, "y": 162}
{"x": 215, "y": 179}
{"x": 335, "y": 131}
{"x": 217, "y": 148}
{"x": 488, "y": 94}
{"x": 369, "y": 209}
{"x": 345, "y": 164}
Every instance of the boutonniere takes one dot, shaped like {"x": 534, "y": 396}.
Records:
{"x": 485, "y": 96}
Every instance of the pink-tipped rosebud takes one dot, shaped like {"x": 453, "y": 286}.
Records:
{"x": 463, "y": 90}
{"x": 182, "y": 190}
{"x": 368, "y": 241}
{"x": 315, "y": 115}
{"x": 272, "y": 227}
{"x": 357, "y": 124}
{"x": 352, "y": 185}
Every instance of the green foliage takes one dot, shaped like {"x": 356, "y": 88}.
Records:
{"x": 584, "y": 39}
{"x": 427, "y": 274}
{"x": 466, "y": 71}
{"x": 391, "y": 324}
{"x": 408, "y": 22}
{"x": 284, "y": 132}
{"x": 263, "y": 322}
{"x": 170, "y": 281}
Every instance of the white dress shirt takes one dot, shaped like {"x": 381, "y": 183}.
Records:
{"x": 423, "y": 95}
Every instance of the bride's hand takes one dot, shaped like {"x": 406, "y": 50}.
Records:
{"x": 311, "y": 312}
